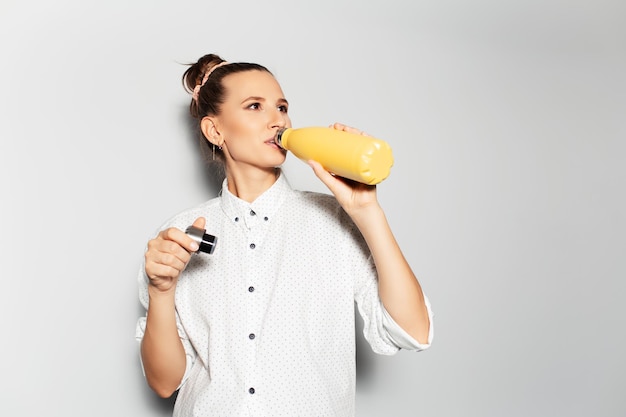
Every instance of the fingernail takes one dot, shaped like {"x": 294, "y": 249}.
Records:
{"x": 194, "y": 246}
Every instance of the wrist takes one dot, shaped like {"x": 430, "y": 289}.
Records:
{"x": 365, "y": 215}
{"x": 161, "y": 296}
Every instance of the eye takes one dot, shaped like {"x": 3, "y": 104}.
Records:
{"x": 254, "y": 106}
{"x": 283, "y": 109}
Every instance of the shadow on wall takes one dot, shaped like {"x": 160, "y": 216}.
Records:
{"x": 211, "y": 173}
{"x": 364, "y": 353}
{"x": 158, "y": 406}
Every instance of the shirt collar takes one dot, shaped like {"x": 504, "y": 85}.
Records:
{"x": 263, "y": 208}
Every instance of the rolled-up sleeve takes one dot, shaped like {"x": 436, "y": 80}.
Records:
{"x": 400, "y": 337}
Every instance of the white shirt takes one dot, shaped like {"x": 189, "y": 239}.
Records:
{"x": 267, "y": 321}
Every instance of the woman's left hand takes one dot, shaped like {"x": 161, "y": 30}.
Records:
{"x": 399, "y": 289}
{"x": 353, "y": 196}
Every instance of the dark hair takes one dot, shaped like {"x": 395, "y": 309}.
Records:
{"x": 211, "y": 94}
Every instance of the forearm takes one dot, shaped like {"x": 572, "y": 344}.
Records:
{"x": 162, "y": 352}
{"x": 399, "y": 289}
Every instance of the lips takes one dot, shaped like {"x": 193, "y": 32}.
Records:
{"x": 271, "y": 142}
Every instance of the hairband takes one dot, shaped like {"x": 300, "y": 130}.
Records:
{"x": 196, "y": 89}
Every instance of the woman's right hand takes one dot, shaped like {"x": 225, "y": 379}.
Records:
{"x": 167, "y": 256}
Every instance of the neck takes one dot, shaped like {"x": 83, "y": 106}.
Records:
{"x": 251, "y": 183}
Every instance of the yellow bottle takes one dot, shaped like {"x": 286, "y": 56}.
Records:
{"x": 360, "y": 158}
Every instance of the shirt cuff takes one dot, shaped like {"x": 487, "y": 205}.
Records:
{"x": 400, "y": 337}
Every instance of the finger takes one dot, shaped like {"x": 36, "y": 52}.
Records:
{"x": 318, "y": 169}
{"x": 179, "y": 237}
{"x": 200, "y": 223}
{"x": 326, "y": 177}
{"x": 160, "y": 251}
{"x": 175, "y": 249}
{"x": 157, "y": 258}
{"x": 156, "y": 272}
{"x": 349, "y": 129}
{"x": 177, "y": 259}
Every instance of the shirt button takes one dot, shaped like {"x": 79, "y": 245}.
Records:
{"x": 251, "y": 289}
{"x": 252, "y": 213}
{"x": 251, "y": 390}
{"x": 251, "y": 336}
{"x": 252, "y": 246}
{"x": 265, "y": 218}
{"x": 236, "y": 219}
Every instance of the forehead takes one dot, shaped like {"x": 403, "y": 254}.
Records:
{"x": 256, "y": 83}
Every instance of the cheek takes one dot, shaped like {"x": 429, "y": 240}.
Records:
{"x": 239, "y": 129}
{"x": 240, "y": 145}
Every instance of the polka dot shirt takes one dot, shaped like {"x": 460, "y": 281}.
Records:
{"x": 267, "y": 320}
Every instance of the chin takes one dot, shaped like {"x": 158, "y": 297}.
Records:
{"x": 278, "y": 161}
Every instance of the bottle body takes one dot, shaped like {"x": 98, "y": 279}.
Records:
{"x": 360, "y": 158}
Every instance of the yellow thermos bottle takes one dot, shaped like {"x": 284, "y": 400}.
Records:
{"x": 360, "y": 158}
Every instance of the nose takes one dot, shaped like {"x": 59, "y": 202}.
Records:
{"x": 279, "y": 119}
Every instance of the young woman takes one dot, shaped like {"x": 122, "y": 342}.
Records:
{"x": 264, "y": 326}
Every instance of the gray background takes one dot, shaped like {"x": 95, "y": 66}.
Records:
{"x": 507, "y": 120}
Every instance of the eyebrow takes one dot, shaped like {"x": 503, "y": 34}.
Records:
{"x": 256, "y": 98}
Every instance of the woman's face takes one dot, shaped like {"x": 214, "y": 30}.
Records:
{"x": 253, "y": 110}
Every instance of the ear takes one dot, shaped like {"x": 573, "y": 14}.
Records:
{"x": 209, "y": 130}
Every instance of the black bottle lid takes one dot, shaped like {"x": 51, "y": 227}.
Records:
{"x": 206, "y": 241}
